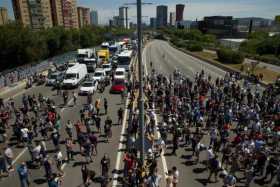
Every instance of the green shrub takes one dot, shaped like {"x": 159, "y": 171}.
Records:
{"x": 194, "y": 47}
{"x": 228, "y": 56}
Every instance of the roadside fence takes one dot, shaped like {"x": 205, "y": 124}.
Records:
{"x": 11, "y": 77}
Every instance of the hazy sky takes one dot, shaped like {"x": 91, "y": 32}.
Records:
{"x": 194, "y": 8}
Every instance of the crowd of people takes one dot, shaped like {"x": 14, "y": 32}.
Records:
{"x": 239, "y": 121}
{"x": 36, "y": 124}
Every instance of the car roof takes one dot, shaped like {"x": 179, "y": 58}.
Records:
{"x": 120, "y": 69}
{"x": 99, "y": 70}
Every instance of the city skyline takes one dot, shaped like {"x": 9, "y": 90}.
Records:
{"x": 195, "y": 9}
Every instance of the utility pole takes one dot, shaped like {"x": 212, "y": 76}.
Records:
{"x": 140, "y": 71}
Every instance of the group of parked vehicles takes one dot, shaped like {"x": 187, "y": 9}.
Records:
{"x": 94, "y": 70}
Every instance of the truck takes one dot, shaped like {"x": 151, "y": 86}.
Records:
{"x": 75, "y": 75}
{"x": 87, "y": 57}
{"x": 103, "y": 55}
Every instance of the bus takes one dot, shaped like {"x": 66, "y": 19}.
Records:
{"x": 124, "y": 59}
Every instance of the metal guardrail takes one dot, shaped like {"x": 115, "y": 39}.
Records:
{"x": 11, "y": 77}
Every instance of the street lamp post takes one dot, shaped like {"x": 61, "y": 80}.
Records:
{"x": 140, "y": 71}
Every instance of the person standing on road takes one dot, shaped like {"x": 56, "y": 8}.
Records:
{"x": 169, "y": 179}
{"x": 105, "y": 105}
{"x": 176, "y": 174}
{"x": 23, "y": 175}
{"x": 9, "y": 155}
{"x": 97, "y": 106}
{"x": 154, "y": 179}
{"x": 122, "y": 96}
{"x": 120, "y": 116}
{"x": 74, "y": 95}
{"x": 105, "y": 166}
{"x": 214, "y": 168}
{"x": 54, "y": 181}
{"x": 69, "y": 149}
{"x": 48, "y": 167}
{"x": 3, "y": 166}
{"x": 69, "y": 129}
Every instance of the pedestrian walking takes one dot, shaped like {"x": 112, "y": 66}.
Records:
{"x": 176, "y": 175}
{"x": 75, "y": 96}
{"x": 105, "y": 102}
{"x": 23, "y": 175}
{"x": 9, "y": 155}
{"x": 105, "y": 166}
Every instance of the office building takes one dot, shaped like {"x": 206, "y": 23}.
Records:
{"x": 83, "y": 16}
{"x": 40, "y": 14}
{"x": 3, "y": 16}
{"x": 180, "y": 12}
{"x": 94, "y": 17}
{"x": 33, "y": 13}
{"x": 123, "y": 17}
{"x": 161, "y": 16}
{"x": 56, "y": 10}
{"x": 70, "y": 14}
{"x": 21, "y": 12}
{"x": 153, "y": 23}
{"x": 172, "y": 18}
{"x": 116, "y": 21}
{"x": 221, "y": 26}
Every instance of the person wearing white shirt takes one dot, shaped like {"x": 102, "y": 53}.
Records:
{"x": 175, "y": 176}
{"x": 9, "y": 155}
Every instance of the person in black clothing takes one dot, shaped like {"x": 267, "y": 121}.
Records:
{"x": 105, "y": 105}
{"x": 271, "y": 168}
{"x": 120, "y": 116}
{"x": 214, "y": 168}
{"x": 175, "y": 143}
{"x": 98, "y": 123}
{"x": 105, "y": 166}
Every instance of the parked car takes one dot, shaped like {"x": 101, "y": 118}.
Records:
{"x": 118, "y": 86}
{"x": 89, "y": 86}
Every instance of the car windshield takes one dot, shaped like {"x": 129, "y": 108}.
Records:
{"x": 118, "y": 82}
{"x": 87, "y": 84}
{"x": 98, "y": 74}
{"x": 119, "y": 73}
{"x": 106, "y": 66}
{"x": 70, "y": 76}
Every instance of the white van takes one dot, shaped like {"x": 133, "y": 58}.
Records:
{"x": 119, "y": 73}
{"x": 74, "y": 75}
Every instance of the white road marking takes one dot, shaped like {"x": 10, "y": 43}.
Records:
{"x": 19, "y": 155}
{"x": 121, "y": 146}
{"x": 25, "y": 149}
{"x": 164, "y": 164}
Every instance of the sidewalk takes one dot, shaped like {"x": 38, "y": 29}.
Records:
{"x": 11, "y": 91}
{"x": 16, "y": 88}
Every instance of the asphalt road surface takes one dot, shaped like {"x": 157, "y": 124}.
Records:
{"x": 166, "y": 59}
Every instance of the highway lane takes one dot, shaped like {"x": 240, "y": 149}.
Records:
{"x": 71, "y": 113}
{"x": 166, "y": 59}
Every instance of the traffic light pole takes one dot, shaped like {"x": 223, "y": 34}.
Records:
{"x": 140, "y": 71}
